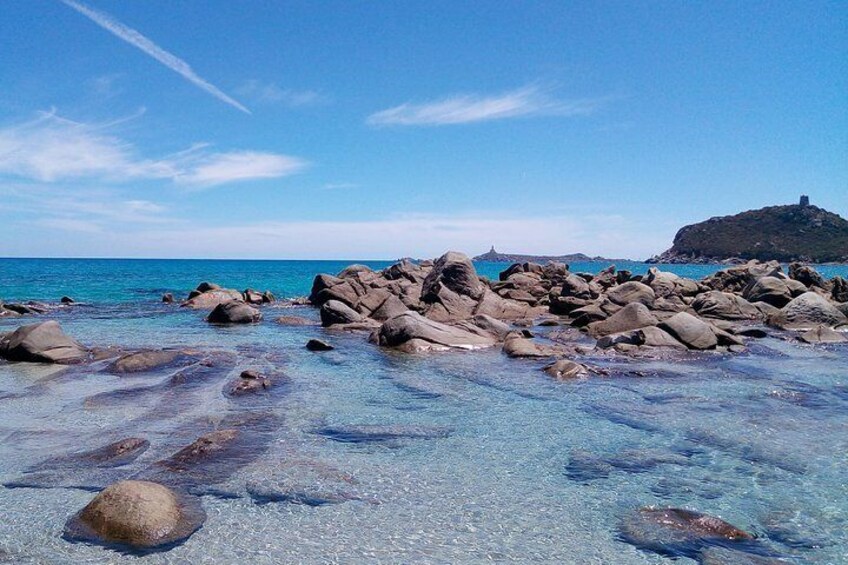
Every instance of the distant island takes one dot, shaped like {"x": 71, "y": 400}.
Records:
{"x": 798, "y": 232}
{"x": 494, "y": 257}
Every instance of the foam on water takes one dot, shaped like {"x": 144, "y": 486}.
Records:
{"x": 442, "y": 458}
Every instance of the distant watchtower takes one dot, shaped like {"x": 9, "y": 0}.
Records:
{"x": 805, "y": 200}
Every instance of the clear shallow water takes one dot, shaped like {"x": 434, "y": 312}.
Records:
{"x": 758, "y": 439}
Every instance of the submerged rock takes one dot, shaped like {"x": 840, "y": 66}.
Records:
{"x": 137, "y": 515}
{"x": 41, "y": 343}
{"x": 676, "y": 532}
{"x": 382, "y": 433}
{"x": 565, "y": 369}
{"x": 143, "y": 361}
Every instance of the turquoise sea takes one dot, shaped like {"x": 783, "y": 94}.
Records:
{"x": 369, "y": 456}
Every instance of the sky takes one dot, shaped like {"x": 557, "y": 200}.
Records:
{"x": 377, "y": 130}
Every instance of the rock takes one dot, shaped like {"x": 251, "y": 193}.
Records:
{"x": 138, "y": 515}
{"x": 691, "y": 331}
{"x": 565, "y": 369}
{"x": 726, "y": 556}
{"x": 588, "y": 314}
{"x": 250, "y": 374}
{"x": 822, "y": 334}
{"x": 212, "y": 298}
{"x": 655, "y": 337}
{"x": 207, "y": 286}
{"x": 41, "y": 343}
{"x": 318, "y": 345}
{"x": 501, "y": 308}
{"x": 630, "y": 293}
{"x": 295, "y": 321}
{"x": 392, "y": 306}
{"x": 454, "y": 271}
{"x": 725, "y": 306}
{"x": 667, "y": 284}
{"x": 352, "y": 270}
{"x": 234, "y": 312}
{"x": 252, "y": 296}
{"x": 167, "y": 298}
{"x": 144, "y": 361}
{"x": 633, "y": 316}
{"x": 677, "y": 532}
{"x": 67, "y": 300}
{"x": 411, "y": 325}
{"x": 839, "y": 289}
{"x": 251, "y": 384}
{"x": 735, "y": 279}
{"x": 491, "y": 325}
{"x": 517, "y": 346}
{"x": 405, "y": 270}
{"x": 770, "y": 290}
{"x": 336, "y": 312}
{"x": 566, "y": 305}
{"x": 808, "y": 311}
{"x": 576, "y": 287}
{"x": 632, "y": 338}
{"x": 806, "y": 275}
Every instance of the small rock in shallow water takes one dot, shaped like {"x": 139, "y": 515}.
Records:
{"x": 168, "y": 298}
{"x": 67, "y": 300}
{"x": 822, "y": 334}
{"x": 318, "y": 345}
{"x": 234, "y": 312}
{"x": 138, "y": 516}
{"x": 564, "y": 369}
{"x": 676, "y": 532}
{"x": 41, "y": 343}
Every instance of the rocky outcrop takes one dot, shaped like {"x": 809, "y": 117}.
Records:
{"x": 42, "y": 343}
{"x": 137, "y": 515}
{"x": 209, "y": 295}
{"x": 781, "y": 233}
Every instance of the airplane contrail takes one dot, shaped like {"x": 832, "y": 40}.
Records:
{"x": 136, "y": 39}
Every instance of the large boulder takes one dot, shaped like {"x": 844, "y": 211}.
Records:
{"x": 771, "y": 290}
{"x": 633, "y": 316}
{"x": 455, "y": 272}
{"x": 808, "y": 311}
{"x": 691, "y": 331}
{"x": 632, "y": 292}
{"x": 139, "y": 515}
{"x": 806, "y": 275}
{"x": 41, "y": 343}
{"x": 839, "y": 289}
{"x": 576, "y": 287}
{"x": 413, "y": 326}
{"x": 211, "y": 298}
{"x": 735, "y": 279}
{"x": 234, "y": 312}
{"x": 337, "y": 312}
{"x": 725, "y": 306}
{"x": 667, "y": 284}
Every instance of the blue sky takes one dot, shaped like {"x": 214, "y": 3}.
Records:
{"x": 378, "y": 130}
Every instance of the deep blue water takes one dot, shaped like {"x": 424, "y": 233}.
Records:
{"x": 128, "y": 280}
{"x": 478, "y": 458}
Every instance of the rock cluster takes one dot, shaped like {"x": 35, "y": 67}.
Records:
{"x": 209, "y": 295}
{"x": 444, "y": 304}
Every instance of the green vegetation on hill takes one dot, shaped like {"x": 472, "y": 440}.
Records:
{"x": 782, "y": 233}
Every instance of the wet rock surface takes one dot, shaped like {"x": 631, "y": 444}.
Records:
{"x": 42, "y": 343}
{"x": 137, "y": 516}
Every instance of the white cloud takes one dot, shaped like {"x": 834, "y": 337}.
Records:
{"x": 268, "y": 93}
{"x": 340, "y": 186}
{"x": 138, "y": 40}
{"x": 71, "y": 225}
{"x": 468, "y": 108}
{"x": 221, "y": 168}
{"x": 50, "y": 149}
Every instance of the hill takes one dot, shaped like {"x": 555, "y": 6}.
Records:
{"x": 799, "y": 232}
{"x": 495, "y": 257}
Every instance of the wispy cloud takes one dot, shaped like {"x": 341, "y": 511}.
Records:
{"x": 340, "y": 186}
{"x": 468, "y": 108}
{"x": 269, "y": 93}
{"x": 168, "y": 59}
{"x": 51, "y": 149}
{"x": 220, "y": 168}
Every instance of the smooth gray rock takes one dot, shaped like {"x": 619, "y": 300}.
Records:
{"x": 336, "y": 312}
{"x": 42, "y": 343}
{"x": 632, "y": 292}
{"x": 631, "y": 317}
{"x": 770, "y": 290}
{"x": 822, "y": 334}
{"x": 565, "y": 369}
{"x": 725, "y": 306}
{"x": 690, "y": 331}
{"x": 411, "y": 325}
{"x": 808, "y": 311}
{"x": 234, "y": 312}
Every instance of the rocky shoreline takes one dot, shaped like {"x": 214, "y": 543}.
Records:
{"x": 546, "y": 313}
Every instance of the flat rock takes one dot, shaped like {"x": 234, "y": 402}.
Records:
{"x": 822, "y": 334}
{"x": 633, "y": 316}
{"x": 411, "y": 325}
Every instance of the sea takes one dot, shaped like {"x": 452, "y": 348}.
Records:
{"x": 363, "y": 455}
